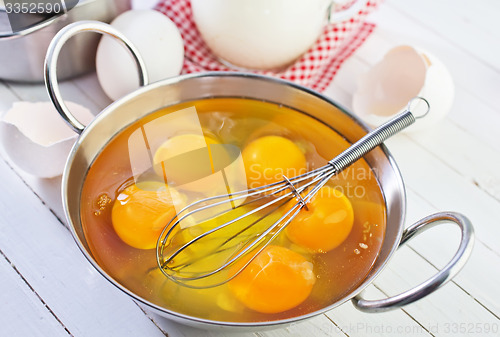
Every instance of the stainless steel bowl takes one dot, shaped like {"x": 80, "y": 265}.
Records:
{"x": 150, "y": 98}
{"x": 22, "y": 54}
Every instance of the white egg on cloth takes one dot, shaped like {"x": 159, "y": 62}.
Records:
{"x": 404, "y": 73}
{"x": 36, "y": 138}
{"x": 158, "y": 41}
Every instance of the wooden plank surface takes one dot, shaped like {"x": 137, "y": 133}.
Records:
{"x": 26, "y": 314}
{"x": 43, "y": 251}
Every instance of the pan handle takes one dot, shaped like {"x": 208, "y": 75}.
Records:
{"x": 436, "y": 281}
{"x": 50, "y": 66}
{"x": 347, "y": 13}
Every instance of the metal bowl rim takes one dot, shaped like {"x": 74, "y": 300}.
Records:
{"x": 182, "y": 318}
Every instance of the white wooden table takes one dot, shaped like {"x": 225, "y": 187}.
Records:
{"x": 47, "y": 288}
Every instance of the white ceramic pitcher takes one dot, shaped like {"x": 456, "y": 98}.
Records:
{"x": 264, "y": 34}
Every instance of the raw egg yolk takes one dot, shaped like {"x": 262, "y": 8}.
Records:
{"x": 278, "y": 279}
{"x": 187, "y": 168}
{"x": 140, "y": 214}
{"x": 325, "y": 224}
{"x": 268, "y": 158}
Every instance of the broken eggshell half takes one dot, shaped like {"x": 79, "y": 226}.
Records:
{"x": 37, "y": 139}
{"x": 404, "y": 73}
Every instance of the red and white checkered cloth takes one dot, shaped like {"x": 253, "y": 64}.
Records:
{"x": 315, "y": 69}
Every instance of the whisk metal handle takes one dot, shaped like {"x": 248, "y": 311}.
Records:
{"x": 376, "y": 137}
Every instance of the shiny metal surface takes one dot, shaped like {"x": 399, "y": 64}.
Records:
{"x": 155, "y": 96}
{"x": 149, "y": 99}
{"x": 435, "y": 282}
{"x": 51, "y": 66}
{"x": 22, "y": 54}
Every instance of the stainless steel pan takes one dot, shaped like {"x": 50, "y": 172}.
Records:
{"x": 152, "y": 97}
{"x": 22, "y": 53}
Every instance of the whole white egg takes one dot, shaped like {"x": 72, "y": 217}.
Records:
{"x": 158, "y": 41}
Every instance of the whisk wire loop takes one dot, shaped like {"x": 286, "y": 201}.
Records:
{"x": 239, "y": 247}
{"x": 296, "y": 193}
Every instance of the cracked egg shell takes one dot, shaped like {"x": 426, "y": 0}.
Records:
{"x": 404, "y": 73}
{"x": 37, "y": 139}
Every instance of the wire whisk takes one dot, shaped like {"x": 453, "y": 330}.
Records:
{"x": 211, "y": 240}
